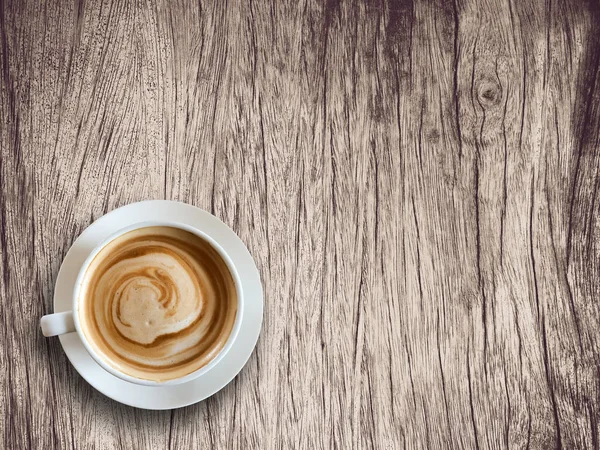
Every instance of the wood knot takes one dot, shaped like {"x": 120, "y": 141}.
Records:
{"x": 489, "y": 93}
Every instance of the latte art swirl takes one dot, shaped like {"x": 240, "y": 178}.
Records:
{"x": 159, "y": 303}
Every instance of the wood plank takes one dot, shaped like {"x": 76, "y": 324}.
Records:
{"x": 416, "y": 180}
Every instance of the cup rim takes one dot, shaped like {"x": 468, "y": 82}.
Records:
{"x": 198, "y": 372}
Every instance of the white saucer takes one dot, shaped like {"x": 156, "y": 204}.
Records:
{"x": 164, "y": 397}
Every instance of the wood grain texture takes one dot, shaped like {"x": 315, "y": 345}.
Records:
{"x": 417, "y": 181}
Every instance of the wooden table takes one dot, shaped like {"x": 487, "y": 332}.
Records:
{"x": 417, "y": 182}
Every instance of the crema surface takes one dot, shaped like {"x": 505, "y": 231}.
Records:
{"x": 158, "y": 303}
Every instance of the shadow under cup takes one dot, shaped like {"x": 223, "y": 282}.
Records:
{"x": 158, "y": 303}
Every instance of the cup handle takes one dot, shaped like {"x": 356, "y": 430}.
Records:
{"x": 56, "y": 324}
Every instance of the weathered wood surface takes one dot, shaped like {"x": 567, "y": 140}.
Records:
{"x": 417, "y": 181}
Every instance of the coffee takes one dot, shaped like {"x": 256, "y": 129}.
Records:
{"x": 157, "y": 303}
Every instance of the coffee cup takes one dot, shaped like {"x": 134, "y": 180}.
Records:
{"x": 156, "y": 303}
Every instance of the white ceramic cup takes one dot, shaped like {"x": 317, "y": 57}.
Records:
{"x": 68, "y": 321}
